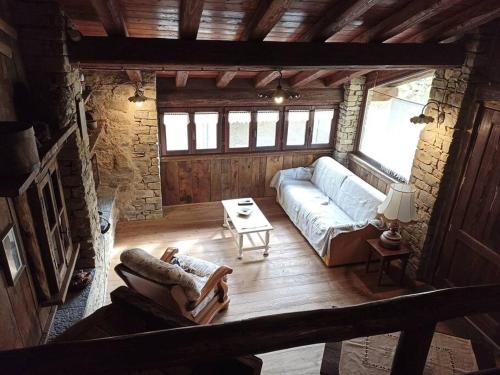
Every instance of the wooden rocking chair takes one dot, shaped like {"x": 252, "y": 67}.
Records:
{"x": 191, "y": 287}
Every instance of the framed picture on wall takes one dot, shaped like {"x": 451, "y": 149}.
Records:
{"x": 12, "y": 262}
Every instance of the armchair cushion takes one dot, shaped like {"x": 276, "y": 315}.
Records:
{"x": 162, "y": 272}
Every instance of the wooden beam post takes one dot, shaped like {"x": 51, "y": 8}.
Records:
{"x": 167, "y": 54}
{"x": 303, "y": 78}
{"x": 224, "y": 78}
{"x": 264, "y": 78}
{"x": 265, "y": 17}
{"x": 111, "y": 17}
{"x": 181, "y": 78}
{"x": 342, "y": 77}
{"x": 189, "y": 18}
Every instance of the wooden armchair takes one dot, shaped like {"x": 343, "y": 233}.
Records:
{"x": 192, "y": 287}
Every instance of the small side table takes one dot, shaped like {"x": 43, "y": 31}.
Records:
{"x": 386, "y": 256}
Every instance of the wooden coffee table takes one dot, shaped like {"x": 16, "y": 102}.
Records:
{"x": 386, "y": 256}
{"x": 247, "y": 230}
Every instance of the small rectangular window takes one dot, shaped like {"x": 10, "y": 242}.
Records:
{"x": 176, "y": 131}
{"x": 267, "y": 123}
{"x": 322, "y": 126}
{"x": 206, "y": 130}
{"x": 297, "y": 125}
{"x": 239, "y": 129}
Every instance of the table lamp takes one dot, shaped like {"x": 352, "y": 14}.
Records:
{"x": 397, "y": 208}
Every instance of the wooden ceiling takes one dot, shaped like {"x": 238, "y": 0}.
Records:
{"x": 341, "y": 21}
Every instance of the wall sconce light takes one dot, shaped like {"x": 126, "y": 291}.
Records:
{"x": 425, "y": 119}
{"x": 138, "y": 98}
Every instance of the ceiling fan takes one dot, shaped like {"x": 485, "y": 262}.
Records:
{"x": 279, "y": 94}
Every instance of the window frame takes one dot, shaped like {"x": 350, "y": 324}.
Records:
{"x": 399, "y": 80}
{"x": 191, "y": 131}
{"x": 223, "y": 129}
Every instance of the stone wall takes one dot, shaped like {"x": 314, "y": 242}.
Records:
{"x": 435, "y": 155}
{"x": 127, "y": 151}
{"x": 350, "y": 110}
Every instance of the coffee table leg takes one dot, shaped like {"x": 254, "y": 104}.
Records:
{"x": 266, "y": 249}
{"x": 240, "y": 246}
{"x": 403, "y": 270}
{"x": 225, "y": 224}
{"x": 381, "y": 271}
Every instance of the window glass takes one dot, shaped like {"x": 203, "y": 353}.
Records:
{"x": 266, "y": 128}
{"x": 322, "y": 126}
{"x": 297, "y": 124}
{"x": 239, "y": 129}
{"x": 206, "y": 130}
{"x": 176, "y": 131}
{"x": 387, "y": 134}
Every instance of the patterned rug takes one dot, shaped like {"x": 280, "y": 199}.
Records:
{"x": 448, "y": 355}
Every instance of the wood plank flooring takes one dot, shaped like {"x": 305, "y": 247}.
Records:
{"x": 292, "y": 278}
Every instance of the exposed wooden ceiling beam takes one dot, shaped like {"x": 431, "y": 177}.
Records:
{"x": 303, "y": 78}
{"x": 267, "y": 14}
{"x": 134, "y": 75}
{"x": 238, "y": 97}
{"x": 111, "y": 17}
{"x": 264, "y": 78}
{"x": 181, "y": 78}
{"x": 165, "y": 54}
{"x": 459, "y": 23}
{"x": 342, "y": 14}
{"x": 413, "y": 13}
{"x": 224, "y": 78}
{"x": 340, "y": 78}
{"x": 189, "y": 18}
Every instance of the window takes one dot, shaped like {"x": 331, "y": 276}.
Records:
{"x": 387, "y": 136}
{"x": 296, "y": 129}
{"x": 176, "y": 129}
{"x": 322, "y": 126}
{"x": 239, "y": 129}
{"x": 267, "y": 123}
{"x": 245, "y": 129}
{"x": 206, "y": 130}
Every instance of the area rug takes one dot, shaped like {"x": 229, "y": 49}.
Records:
{"x": 448, "y": 355}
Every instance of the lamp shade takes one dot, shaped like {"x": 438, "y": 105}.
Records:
{"x": 399, "y": 204}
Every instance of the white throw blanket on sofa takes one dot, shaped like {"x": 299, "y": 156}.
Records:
{"x": 326, "y": 199}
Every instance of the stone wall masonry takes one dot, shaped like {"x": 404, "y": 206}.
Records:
{"x": 435, "y": 153}
{"x": 127, "y": 152}
{"x": 349, "y": 114}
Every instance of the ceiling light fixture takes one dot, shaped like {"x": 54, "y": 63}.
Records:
{"x": 279, "y": 94}
{"x": 138, "y": 98}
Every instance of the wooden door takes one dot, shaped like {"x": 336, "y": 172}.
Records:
{"x": 471, "y": 251}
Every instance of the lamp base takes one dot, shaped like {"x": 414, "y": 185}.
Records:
{"x": 391, "y": 239}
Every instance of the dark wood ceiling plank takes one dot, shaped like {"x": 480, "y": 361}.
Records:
{"x": 412, "y": 14}
{"x": 165, "y": 54}
{"x": 181, "y": 78}
{"x": 342, "y": 77}
{"x": 265, "y": 17}
{"x": 189, "y": 18}
{"x": 224, "y": 78}
{"x": 303, "y": 78}
{"x": 342, "y": 14}
{"x": 265, "y": 78}
{"x": 111, "y": 17}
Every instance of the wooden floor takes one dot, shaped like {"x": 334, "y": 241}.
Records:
{"x": 292, "y": 278}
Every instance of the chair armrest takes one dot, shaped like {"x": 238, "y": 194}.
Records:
{"x": 212, "y": 282}
{"x": 169, "y": 254}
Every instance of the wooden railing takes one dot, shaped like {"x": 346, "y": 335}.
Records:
{"x": 415, "y": 315}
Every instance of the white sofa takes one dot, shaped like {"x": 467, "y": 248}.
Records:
{"x": 334, "y": 209}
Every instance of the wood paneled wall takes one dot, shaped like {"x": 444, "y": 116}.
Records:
{"x": 207, "y": 178}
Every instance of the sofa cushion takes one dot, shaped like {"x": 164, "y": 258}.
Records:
{"x": 162, "y": 272}
{"x": 329, "y": 175}
{"x": 358, "y": 199}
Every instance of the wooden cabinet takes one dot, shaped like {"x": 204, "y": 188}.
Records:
{"x": 51, "y": 221}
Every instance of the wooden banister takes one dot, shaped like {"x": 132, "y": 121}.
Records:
{"x": 414, "y": 315}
